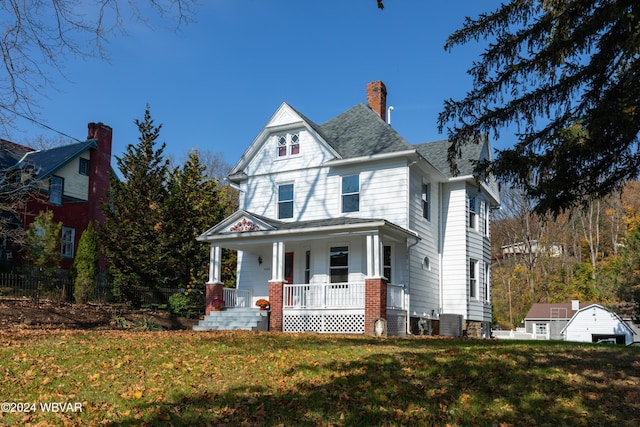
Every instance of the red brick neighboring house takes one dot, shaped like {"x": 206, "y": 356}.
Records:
{"x": 72, "y": 180}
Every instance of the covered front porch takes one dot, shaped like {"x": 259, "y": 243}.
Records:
{"x": 323, "y": 276}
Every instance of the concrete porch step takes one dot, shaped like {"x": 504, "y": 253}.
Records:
{"x": 230, "y": 319}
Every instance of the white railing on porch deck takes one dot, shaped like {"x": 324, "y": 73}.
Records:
{"x": 236, "y": 297}
{"x": 337, "y": 295}
{"x": 324, "y": 295}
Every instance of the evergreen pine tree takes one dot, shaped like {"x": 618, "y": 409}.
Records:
{"x": 131, "y": 236}
{"x": 85, "y": 266}
{"x": 191, "y": 207}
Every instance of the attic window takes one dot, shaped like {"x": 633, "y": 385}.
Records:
{"x": 84, "y": 167}
{"x": 288, "y": 144}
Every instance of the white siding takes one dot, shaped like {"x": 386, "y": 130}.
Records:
{"x": 317, "y": 192}
{"x": 425, "y": 285}
{"x": 455, "y": 259}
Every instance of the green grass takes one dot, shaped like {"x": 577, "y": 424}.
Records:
{"x": 244, "y": 378}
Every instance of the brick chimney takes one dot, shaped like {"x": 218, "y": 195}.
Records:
{"x": 377, "y": 98}
{"x": 100, "y": 169}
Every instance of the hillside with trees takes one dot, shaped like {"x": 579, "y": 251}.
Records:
{"x": 589, "y": 253}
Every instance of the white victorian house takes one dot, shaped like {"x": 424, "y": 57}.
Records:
{"x": 346, "y": 223}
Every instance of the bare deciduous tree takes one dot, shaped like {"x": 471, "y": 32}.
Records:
{"x": 38, "y": 37}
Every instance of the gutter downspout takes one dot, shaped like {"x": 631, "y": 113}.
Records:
{"x": 408, "y": 293}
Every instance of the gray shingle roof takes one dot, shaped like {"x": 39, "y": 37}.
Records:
{"x": 436, "y": 153}
{"x": 361, "y": 132}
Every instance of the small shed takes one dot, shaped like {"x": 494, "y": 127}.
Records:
{"x": 595, "y": 323}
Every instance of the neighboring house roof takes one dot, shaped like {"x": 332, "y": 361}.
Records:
{"x": 48, "y": 161}
{"x": 597, "y": 306}
{"x": 543, "y": 311}
{"x": 11, "y": 153}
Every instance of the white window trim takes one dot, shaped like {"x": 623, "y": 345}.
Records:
{"x": 425, "y": 198}
{"x": 292, "y": 201}
{"x": 473, "y": 281}
{"x": 56, "y": 203}
{"x": 335, "y": 245}
{"x": 472, "y": 208}
{"x": 342, "y": 177}
{"x": 68, "y": 244}
{"x": 288, "y": 145}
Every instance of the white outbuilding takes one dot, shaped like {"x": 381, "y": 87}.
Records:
{"x": 595, "y": 323}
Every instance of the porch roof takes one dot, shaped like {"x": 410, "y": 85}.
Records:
{"x": 244, "y": 227}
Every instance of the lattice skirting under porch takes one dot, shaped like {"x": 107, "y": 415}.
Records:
{"x": 324, "y": 321}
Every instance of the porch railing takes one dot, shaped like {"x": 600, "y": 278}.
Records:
{"x": 236, "y": 297}
{"x": 324, "y": 295}
{"x": 395, "y": 297}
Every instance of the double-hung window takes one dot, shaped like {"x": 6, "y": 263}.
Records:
{"x": 472, "y": 212}
{"x": 426, "y": 201}
{"x": 83, "y": 168}
{"x": 67, "y": 242}
{"x": 473, "y": 278}
{"x": 386, "y": 262}
{"x": 339, "y": 264}
{"x": 56, "y": 186}
{"x": 485, "y": 282}
{"x": 351, "y": 193}
{"x": 285, "y": 201}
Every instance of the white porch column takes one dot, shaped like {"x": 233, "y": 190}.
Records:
{"x": 215, "y": 264}
{"x": 277, "y": 263}
{"x": 374, "y": 255}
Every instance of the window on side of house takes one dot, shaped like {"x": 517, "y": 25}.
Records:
{"x": 485, "y": 282}
{"x": 541, "y": 329}
{"x": 472, "y": 212}
{"x": 386, "y": 262}
{"x": 350, "y": 193}
{"x": 84, "y": 167}
{"x": 339, "y": 264}
{"x": 67, "y": 242}
{"x": 285, "y": 201}
{"x": 473, "y": 278}
{"x": 426, "y": 201}
{"x": 56, "y": 186}
{"x": 487, "y": 218}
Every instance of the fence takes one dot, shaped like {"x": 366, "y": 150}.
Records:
{"x": 61, "y": 289}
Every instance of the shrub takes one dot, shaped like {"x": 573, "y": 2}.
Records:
{"x": 189, "y": 306}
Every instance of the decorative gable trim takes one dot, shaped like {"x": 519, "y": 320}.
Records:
{"x": 239, "y": 222}
{"x": 244, "y": 225}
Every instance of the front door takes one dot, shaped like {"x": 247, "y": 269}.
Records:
{"x": 288, "y": 267}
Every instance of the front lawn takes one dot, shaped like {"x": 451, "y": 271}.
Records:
{"x": 123, "y": 378}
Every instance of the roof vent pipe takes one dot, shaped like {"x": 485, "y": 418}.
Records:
{"x": 389, "y": 110}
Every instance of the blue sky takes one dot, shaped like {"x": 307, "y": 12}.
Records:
{"x": 214, "y": 85}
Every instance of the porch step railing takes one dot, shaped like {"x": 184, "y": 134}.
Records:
{"x": 236, "y": 297}
{"x": 324, "y": 295}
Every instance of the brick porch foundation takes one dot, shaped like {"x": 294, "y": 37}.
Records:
{"x": 375, "y": 303}
{"x": 276, "y": 290}
{"x": 213, "y": 291}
